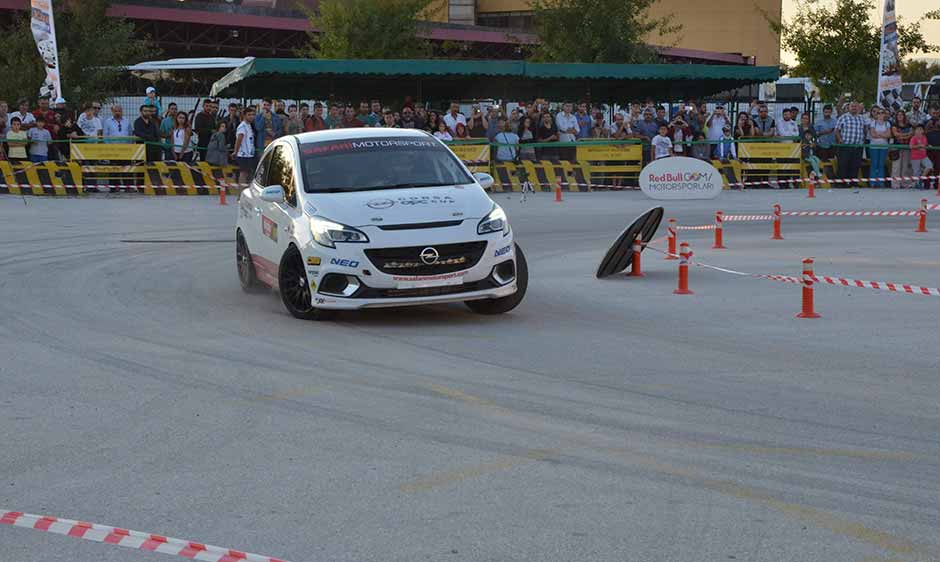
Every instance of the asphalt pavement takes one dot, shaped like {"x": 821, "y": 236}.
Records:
{"x": 603, "y": 420}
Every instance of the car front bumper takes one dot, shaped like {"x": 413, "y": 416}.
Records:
{"x": 378, "y": 289}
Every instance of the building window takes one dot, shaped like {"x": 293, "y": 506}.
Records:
{"x": 462, "y": 11}
{"x": 512, "y": 20}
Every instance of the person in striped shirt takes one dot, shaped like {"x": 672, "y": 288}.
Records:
{"x": 850, "y": 129}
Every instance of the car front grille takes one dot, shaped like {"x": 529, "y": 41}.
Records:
{"x": 407, "y": 261}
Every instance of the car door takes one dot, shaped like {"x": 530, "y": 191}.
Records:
{"x": 283, "y": 215}
{"x": 262, "y": 244}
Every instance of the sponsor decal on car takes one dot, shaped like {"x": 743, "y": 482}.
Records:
{"x": 313, "y": 260}
{"x": 441, "y": 277}
{"x": 344, "y": 262}
{"x": 422, "y": 281}
{"x": 427, "y": 200}
{"x": 269, "y": 228}
{"x": 502, "y": 251}
{"x": 313, "y": 285}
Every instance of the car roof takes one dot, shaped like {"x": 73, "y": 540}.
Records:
{"x": 359, "y": 133}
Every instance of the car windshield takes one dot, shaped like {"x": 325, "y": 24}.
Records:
{"x": 379, "y": 163}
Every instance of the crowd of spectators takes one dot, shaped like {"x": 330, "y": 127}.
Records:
{"x": 237, "y": 134}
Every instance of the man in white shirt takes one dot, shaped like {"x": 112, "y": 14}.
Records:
{"x": 567, "y": 123}
{"x": 245, "y": 146}
{"x": 453, "y": 118}
{"x": 716, "y": 123}
{"x": 27, "y": 120}
{"x": 117, "y": 126}
{"x": 788, "y": 127}
{"x": 90, "y": 124}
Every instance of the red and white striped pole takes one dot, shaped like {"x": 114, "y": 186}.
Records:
{"x": 222, "y": 193}
{"x": 719, "y": 232}
{"x": 777, "y": 211}
{"x": 558, "y": 191}
{"x": 811, "y": 188}
{"x": 673, "y": 235}
{"x": 684, "y": 256}
{"x": 922, "y": 217}
{"x": 808, "y": 304}
{"x": 636, "y": 269}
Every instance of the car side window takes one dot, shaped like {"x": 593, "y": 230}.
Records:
{"x": 261, "y": 172}
{"x": 281, "y": 172}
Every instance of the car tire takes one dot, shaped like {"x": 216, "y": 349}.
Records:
{"x": 247, "y": 277}
{"x": 509, "y": 302}
{"x": 295, "y": 288}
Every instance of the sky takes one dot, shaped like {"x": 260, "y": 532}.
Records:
{"x": 908, "y": 10}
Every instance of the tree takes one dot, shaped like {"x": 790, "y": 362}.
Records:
{"x": 604, "y": 31}
{"x": 93, "y": 49}
{"x": 367, "y": 29}
{"x": 919, "y": 70}
{"x": 838, "y": 46}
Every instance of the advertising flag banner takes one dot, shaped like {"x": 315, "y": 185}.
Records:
{"x": 889, "y": 65}
{"x": 43, "y": 27}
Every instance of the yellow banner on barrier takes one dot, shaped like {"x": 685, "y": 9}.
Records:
{"x": 610, "y": 152}
{"x": 472, "y": 152}
{"x": 98, "y": 151}
{"x": 769, "y": 150}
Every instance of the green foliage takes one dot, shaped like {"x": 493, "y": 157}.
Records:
{"x": 367, "y": 29}
{"x": 92, "y": 49}
{"x": 838, "y": 45}
{"x": 919, "y": 70}
{"x": 598, "y": 31}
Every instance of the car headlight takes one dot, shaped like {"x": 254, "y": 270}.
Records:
{"x": 326, "y": 232}
{"x": 494, "y": 222}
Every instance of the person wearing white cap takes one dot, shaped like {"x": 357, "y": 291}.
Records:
{"x": 152, "y": 100}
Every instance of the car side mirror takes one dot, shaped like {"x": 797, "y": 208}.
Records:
{"x": 273, "y": 194}
{"x": 485, "y": 180}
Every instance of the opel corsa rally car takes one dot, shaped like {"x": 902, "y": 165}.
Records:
{"x": 362, "y": 218}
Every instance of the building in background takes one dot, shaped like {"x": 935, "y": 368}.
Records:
{"x": 727, "y": 32}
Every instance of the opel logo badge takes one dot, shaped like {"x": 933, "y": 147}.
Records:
{"x": 380, "y": 204}
{"x": 429, "y": 256}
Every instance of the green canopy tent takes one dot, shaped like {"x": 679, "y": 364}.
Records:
{"x": 435, "y": 79}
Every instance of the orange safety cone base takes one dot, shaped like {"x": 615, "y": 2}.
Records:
{"x": 683, "y": 292}
{"x": 808, "y": 315}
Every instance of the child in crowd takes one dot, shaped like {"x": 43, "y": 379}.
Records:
{"x": 808, "y": 150}
{"x": 441, "y": 132}
{"x": 17, "y": 140}
{"x": 919, "y": 161}
{"x": 701, "y": 149}
{"x": 661, "y": 145}
{"x": 217, "y": 153}
{"x": 39, "y": 139}
{"x": 725, "y": 149}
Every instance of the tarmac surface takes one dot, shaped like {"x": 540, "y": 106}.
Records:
{"x": 602, "y": 420}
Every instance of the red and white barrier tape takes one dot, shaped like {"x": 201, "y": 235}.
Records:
{"x": 745, "y": 218}
{"x": 118, "y": 186}
{"x": 702, "y": 227}
{"x": 878, "y": 285}
{"x": 849, "y": 213}
{"x": 820, "y": 181}
{"x": 129, "y": 539}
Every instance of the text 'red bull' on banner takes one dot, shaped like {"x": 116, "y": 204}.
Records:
{"x": 43, "y": 26}
{"x": 889, "y": 65}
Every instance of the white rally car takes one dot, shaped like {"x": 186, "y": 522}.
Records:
{"x": 361, "y": 218}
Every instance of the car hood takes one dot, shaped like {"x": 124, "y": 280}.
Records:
{"x": 401, "y": 206}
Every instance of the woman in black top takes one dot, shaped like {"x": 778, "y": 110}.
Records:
{"x": 547, "y": 132}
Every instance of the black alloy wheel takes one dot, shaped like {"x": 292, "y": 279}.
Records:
{"x": 295, "y": 289}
